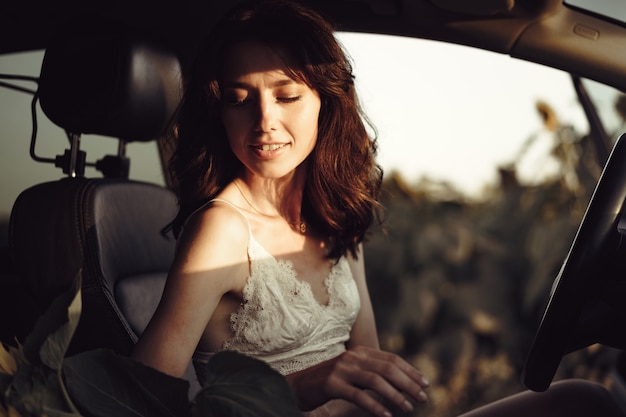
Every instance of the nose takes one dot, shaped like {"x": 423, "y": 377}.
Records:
{"x": 267, "y": 115}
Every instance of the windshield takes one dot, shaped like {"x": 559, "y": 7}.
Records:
{"x": 455, "y": 114}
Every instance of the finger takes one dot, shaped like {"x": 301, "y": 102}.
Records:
{"x": 390, "y": 376}
{"x": 350, "y": 383}
{"x": 405, "y": 378}
{"x": 414, "y": 374}
{"x": 387, "y": 375}
{"x": 363, "y": 353}
{"x": 368, "y": 402}
{"x": 387, "y": 391}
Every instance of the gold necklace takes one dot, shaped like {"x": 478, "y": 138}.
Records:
{"x": 301, "y": 226}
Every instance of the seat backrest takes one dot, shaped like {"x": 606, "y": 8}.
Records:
{"x": 109, "y": 229}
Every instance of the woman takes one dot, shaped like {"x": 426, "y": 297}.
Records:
{"x": 277, "y": 187}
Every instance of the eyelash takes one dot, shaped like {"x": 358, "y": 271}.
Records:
{"x": 285, "y": 100}
{"x": 237, "y": 103}
{"x": 292, "y": 99}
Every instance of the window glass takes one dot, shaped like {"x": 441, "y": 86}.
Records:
{"x": 610, "y": 104}
{"x": 612, "y": 9}
{"x": 455, "y": 114}
{"x": 489, "y": 169}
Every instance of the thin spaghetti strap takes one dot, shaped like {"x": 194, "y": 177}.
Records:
{"x": 250, "y": 236}
{"x": 202, "y": 207}
{"x": 236, "y": 209}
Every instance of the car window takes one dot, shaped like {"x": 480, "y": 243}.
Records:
{"x": 489, "y": 168}
{"x": 611, "y": 106}
{"x": 452, "y": 113}
{"x": 611, "y": 9}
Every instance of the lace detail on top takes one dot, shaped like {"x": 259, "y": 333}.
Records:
{"x": 282, "y": 323}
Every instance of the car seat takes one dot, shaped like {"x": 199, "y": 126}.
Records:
{"x": 103, "y": 80}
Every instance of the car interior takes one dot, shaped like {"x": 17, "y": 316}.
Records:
{"x": 115, "y": 69}
{"x": 98, "y": 229}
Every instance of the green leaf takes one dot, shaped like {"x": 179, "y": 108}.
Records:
{"x": 55, "y": 317}
{"x": 239, "y": 386}
{"x": 104, "y": 384}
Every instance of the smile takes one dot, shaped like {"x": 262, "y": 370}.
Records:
{"x": 270, "y": 147}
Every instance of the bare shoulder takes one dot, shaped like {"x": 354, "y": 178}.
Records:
{"x": 214, "y": 239}
{"x": 216, "y": 220}
{"x": 211, "y": 261}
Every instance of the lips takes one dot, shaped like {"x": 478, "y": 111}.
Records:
{"x": 269, "y": 151}
{"x": 270, "y": 146}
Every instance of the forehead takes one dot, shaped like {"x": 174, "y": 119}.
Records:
{"x": 250, "y": 57}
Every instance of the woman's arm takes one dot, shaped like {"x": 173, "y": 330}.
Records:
{"x": 211, "y": 261}
{"x": 364, "y": 329}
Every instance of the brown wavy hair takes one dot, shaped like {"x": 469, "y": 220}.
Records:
{"x": 343, "y": 181}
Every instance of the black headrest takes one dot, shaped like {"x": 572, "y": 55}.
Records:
{"x": 98, "y": 77}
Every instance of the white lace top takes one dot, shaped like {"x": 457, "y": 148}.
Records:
{"x": 281, "y": 322}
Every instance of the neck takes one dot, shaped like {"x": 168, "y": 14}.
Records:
{"x": 274, "y": 198}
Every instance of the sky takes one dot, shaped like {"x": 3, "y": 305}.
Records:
{"x": 446, "y": 112}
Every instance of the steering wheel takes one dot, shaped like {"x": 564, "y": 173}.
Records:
{"x": 580, "y": 309}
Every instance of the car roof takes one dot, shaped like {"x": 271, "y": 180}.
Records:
{"x": 544, "y": 31}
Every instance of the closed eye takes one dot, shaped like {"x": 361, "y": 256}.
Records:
{"x": 236, "y": 97}
{"x": 292, "y": 99}
{"x": 237, "y": 102}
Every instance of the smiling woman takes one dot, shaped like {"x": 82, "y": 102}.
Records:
{"x": 258, "y": 98}
{"x": 269, "y": 138}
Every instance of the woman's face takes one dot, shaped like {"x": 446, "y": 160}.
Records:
{"x": 270, "y": 118}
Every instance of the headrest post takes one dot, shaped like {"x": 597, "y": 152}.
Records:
{"x": 72, "y": 162}
{"x": 121, "y": 148}
{"x": 126, "y": 86}
{"x": 115, "y": 166}
{"x": 74, "y": 149}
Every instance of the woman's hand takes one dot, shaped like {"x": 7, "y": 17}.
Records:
{"x": 367, "y": 377}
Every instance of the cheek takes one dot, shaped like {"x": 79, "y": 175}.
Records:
{"x": 229, "y": 120}
{"x": 233, "y": 129}
{"x": 236, "y": 126}
{"x": 313, "y": 122}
